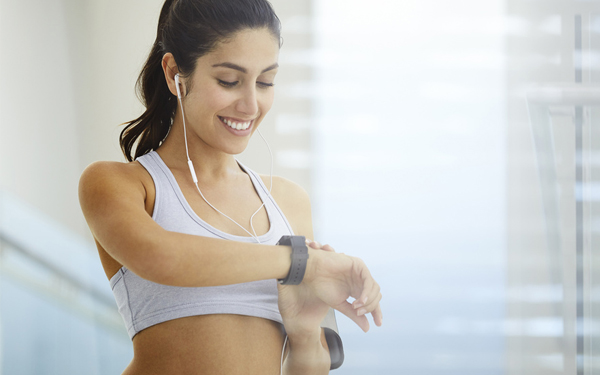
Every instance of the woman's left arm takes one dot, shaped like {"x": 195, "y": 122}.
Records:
{"x": 302, "y": 312}
{"x": 303, "y": 308}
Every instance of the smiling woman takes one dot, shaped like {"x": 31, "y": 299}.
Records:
{"x": 232, "y": 88}
{"x": 192, "y": 241}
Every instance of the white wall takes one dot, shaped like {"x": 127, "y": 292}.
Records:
{"x": 39, "y": 148}
{"x": 70, "y": 68}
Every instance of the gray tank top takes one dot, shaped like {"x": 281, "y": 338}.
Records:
{"x": 143, "y": 303}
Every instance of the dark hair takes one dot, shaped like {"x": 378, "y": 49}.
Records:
{"x": 188, "y": 29}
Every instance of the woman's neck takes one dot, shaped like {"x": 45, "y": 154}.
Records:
{"x": 210, "y": 164}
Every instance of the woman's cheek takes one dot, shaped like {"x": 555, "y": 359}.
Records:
{"x": 220, "y": 99}
{"x": 267, "y": 100}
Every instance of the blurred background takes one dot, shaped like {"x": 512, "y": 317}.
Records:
{"x": 454, "y": 145}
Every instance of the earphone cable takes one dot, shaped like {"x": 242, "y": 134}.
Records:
{"x": 195, "y": 178}
{"x": 270, "y": 187}
{"x": 283, "y": 351}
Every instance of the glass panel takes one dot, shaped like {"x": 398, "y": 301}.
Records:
{"x": 591, "y": 176}
{"x": 561, "y": 126}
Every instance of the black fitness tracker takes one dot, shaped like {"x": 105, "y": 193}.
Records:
{"x": 299, "y": 259}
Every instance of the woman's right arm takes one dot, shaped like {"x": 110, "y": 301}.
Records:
{"x": 112, "y": 199}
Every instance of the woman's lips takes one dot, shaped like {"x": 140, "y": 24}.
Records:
{"x": 237, "y": 127}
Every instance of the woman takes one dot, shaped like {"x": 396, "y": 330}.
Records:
{"x": 192, "y": 262}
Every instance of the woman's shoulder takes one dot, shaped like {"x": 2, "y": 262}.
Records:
{"x": 114, "y": 170}
{"x": 285, "y": 189}
{"x": 294, "y": 201}
{"x": 113, "y": 176}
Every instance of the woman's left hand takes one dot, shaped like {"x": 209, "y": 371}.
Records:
{"x": 302, "y": 312}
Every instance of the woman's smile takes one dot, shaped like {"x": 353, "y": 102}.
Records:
{"x": 236, "y": 126}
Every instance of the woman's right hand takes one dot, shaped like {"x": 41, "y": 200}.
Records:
{"x": 335, "y": 277}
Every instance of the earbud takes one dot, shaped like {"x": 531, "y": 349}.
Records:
{"x": 177, "y": 84}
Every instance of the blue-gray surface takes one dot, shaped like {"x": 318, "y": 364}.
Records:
{"x": 42, "y": 337}
{"x": 50, "y": 324}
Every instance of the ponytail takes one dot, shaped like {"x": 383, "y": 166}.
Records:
{"x": 154, "y": 124}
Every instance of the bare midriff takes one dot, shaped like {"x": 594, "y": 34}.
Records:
{"x": 203, "y": 344}
{"x": 208, "y": 344}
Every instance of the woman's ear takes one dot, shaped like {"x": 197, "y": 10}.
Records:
{"x": 169, "y": 67}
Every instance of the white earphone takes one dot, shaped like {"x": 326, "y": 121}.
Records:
{"x": 177, "y": 83}
{"x": 190, "y": 165}
{"x": 195, "y": 177}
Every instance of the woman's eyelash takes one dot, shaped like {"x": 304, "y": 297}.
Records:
{"x": 227, "y": 84}
{"x": 232, "y": 84}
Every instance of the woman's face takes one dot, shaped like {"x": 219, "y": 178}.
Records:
{"x": 232, "y": 90}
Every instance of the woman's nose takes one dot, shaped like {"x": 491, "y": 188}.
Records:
{"x": 248, "y": 102}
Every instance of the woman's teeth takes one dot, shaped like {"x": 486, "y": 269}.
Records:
{"x": 237, "y": 125}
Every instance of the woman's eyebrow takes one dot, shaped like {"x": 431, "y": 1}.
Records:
{"x": 242, "y": 69}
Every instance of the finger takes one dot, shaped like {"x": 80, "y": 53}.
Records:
{"x": 346, "y": 309}
{"x": 328, "y": 247}
{"x": 310, "y": 243}
{"x": 377, "y": 316}
{"x": 373, "y": 299}
{"x": 368, "y": 285}
{"x": 370, "y": 307}
{"x": 313, "y": 244}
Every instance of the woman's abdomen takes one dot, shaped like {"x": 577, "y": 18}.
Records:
{"x": 209, "y": 344}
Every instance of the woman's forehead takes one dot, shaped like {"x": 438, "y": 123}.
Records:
{"x": 254, "y": 50}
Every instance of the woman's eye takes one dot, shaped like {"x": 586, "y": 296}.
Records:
{"x": 227, "y": 84}
{"x": 233, "y": 84}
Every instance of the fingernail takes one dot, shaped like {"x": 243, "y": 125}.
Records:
{"x": 361, "y": 312}
{"x": 365, "y": 299}
{"x": 358, "y": 304}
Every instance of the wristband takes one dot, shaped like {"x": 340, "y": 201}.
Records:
{"x": 299, "y": 259}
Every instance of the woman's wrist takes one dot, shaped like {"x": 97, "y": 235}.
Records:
{"x": 311, "y": 264}
{"x": 304, "y": 336}
{"x": 299, "y": 330}
{"x": 307, "y": 354}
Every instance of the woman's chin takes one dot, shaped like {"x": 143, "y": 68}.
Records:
{"x": 236, "y": 149}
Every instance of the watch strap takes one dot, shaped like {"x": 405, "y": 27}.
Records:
{"x": 299, "y": 259}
